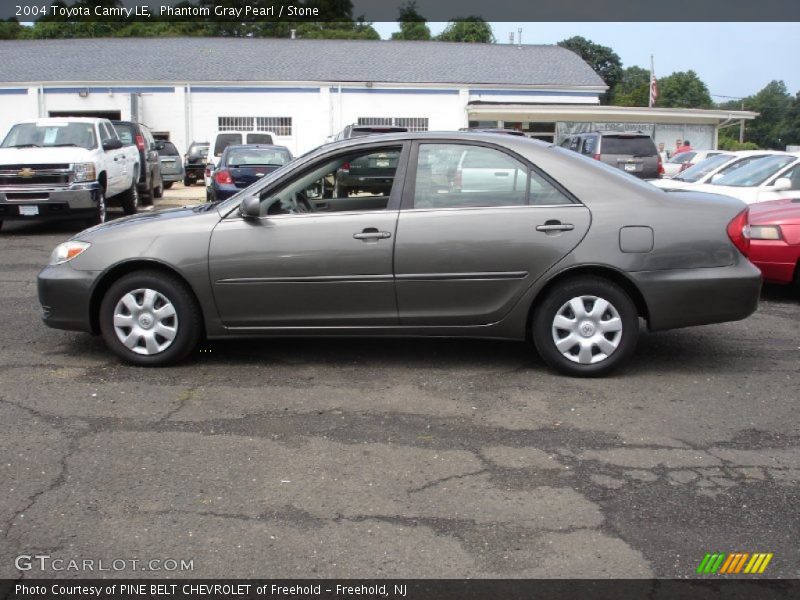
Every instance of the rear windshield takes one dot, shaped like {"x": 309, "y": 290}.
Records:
{"x": 636, "y": 146}
{"x": 257, "y": 156}
{"x": 168, "y": 149}
{"x": 224, "y": 140}
{"x": 755, "y": 173}
{"x": 259, "y": 138}
{"x": 703, "y": 168}
{"x": 126, "y": 134}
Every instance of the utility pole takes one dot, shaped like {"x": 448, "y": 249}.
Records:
{"x": 741, "y": 128}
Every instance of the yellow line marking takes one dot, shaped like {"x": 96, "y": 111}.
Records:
{"x": 766, "y": 562}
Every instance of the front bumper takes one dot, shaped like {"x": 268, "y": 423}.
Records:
{"x": 33, "y": 203}
{"x": 65, "y": 295}
{"x": 686, "y": 297}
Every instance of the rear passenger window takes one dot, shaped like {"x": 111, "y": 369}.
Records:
{"x": 462, "y": 176}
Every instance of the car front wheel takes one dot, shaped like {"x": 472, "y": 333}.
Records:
{"x": 150, "y": 318}
{"x": 586, "y": 327}
{"x": 130, "y": 199}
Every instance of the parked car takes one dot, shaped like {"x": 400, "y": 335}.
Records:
{"x": 195, "y": 162}
{"x": 631, "y": 151}
{"x": 684, "y": 160}
{"x": 774, "y": 240}
{"x": 222, "y": 139}
{"x": 171, "y": 163}
{"x": 574, "y": 269}
{"x": 150, "y": 182}
{"x": 242, "y": 165}
{"x": 354, "y": 130}
{"x": 66, "y": 168}
{"x": 768, "y": 178}
{"x": 705, "y": 170}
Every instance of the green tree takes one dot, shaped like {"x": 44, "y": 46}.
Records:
{"x": 10, "y": 29}
{"x": 467, "y": 29}
{"x": 412, "y": 24}
{"x": 605, "y": 62}
{"x": 357, "y": 30}
{"x": 683, "y": 89}
{"x": 633, "y": 89}
{"x": 774, "y": 105}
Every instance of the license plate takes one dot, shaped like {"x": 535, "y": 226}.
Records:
{"x": 29, "y": 211}
{"x": 630, "y": 167}
{"x": 381, "y": 163}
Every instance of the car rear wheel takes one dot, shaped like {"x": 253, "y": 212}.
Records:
{"x": 149, "y": 318}
{"x": 159, "y": 191}
{"x": 586, "y": 327}
{"x": 168, "y": 185}
{"x": 100, "y": 209}
{"x": 130, "y": 199}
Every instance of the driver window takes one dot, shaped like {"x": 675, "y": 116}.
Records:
{"x": 358, "y": 181}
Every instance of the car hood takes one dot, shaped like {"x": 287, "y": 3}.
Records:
{"x": 143, "y": 222}
{"x": 41, "y": 156}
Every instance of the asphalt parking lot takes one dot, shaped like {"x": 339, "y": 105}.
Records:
{"x": 394, "y": 458}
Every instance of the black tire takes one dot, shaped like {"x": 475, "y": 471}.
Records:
{"x": 158, "y": 192}
{"x": 100, "y": 210}
{"x": 1, "y": 225}
{"x": 588, "y": 331}
{"x": 188, "y": 318}
{"x": 130, "y": 199}
{"x": 167, "y": 185}
{"x": 187, "y": 182}
{"x": 147, "y": 199}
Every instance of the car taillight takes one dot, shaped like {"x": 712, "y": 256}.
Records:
{"x": 140, "y": 142}
{"x": 596, "y": 157}
{"x": 345, "y": 167}
{"x": 661, "y": 170}
{"x": 223, "y": 176}
{"x": 739, "y": 231}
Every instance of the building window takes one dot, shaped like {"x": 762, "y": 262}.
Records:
{"x": 410, "y": 123}
{"x": 280, "y": 126}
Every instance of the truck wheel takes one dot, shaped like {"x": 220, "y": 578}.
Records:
{"x": 167, "y": 185}
{"x": 187, "y": 182}
{"x": 159, "y": 191}
{"x": 150, "y": 318}
{"x": 130, "y": 199}
{"x": 586, "y": 327}
{"x": 99, "y": 211}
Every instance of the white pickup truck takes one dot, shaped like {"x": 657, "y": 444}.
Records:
{"x": 66, "y": 168}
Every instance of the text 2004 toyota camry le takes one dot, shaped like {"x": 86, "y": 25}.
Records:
{"x": 477, "y": 235}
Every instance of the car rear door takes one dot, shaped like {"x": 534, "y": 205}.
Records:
{"x": 466, "y": 257}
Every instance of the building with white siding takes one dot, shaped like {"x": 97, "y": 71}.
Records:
{"x": 304, "y": 91}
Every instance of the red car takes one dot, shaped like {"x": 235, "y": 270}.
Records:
{"x": 775, "y": 240}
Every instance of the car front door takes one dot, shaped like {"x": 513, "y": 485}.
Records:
{"x": 309, "y": 260}
{"x": 464, "y": 256}
{"x": 116, "y": 169}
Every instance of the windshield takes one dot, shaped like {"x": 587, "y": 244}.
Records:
{"x": 168, "y": 149}
{"x": 755, "y": 173}
{"x": 703, "y": 168}
{"x": 257, "y": 156}
{"x": 48, "y": 135}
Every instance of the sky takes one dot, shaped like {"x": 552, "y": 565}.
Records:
{"x": 733, "y": 59}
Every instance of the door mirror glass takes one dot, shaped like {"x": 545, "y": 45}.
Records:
{"x": 112, "y": 144}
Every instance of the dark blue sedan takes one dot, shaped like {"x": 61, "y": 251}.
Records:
{"x": 241, "y": 166}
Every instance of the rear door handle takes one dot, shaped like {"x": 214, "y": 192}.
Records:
{"x": 555, "y": 226}
{"x": 370, "y": 233}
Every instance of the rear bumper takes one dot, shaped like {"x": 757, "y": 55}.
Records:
{"x": 172, "y": 176}
{"x": 76, "y": 201}
{"x": 64, "y": 294}
{"x": 685, "y": 297}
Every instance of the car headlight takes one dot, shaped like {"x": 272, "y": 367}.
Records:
{"x": 83, "y": 172}
{"x": 765, "y": 232}
{"x": 67, "y": 251}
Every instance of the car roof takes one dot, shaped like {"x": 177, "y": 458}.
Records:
{"x": 264, "y": 146}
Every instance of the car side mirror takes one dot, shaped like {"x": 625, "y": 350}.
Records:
{"x": 250, "y": 207}
{"x": 782, "y": 184}
{"x": 112, "y": 144}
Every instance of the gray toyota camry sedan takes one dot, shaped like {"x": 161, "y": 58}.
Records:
{"x": 474, "y": 235}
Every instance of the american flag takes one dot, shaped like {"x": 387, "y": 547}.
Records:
{"x": 653, "y": 85}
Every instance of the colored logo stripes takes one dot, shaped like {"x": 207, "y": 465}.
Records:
{"x": 734, "y": 563}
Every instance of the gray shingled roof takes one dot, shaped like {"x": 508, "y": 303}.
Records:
{"x": 258, "y": 59}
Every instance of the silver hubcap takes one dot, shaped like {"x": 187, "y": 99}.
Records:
{"x": 145, "y": 321}
{"x": 587, "y": 329}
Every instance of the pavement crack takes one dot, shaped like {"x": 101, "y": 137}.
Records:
{"x": 436, "y": 482}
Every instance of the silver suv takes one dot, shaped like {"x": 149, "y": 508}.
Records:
{"x": 631, "y": 151}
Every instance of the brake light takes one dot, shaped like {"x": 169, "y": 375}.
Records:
{"x": 345, "y": 167}
{"x": 661, "y": 170}
{"x": 223, "y": 176}
{"x": 739, "y": 231}
{"x": 140, "y": 142}
{"x": 596, "y": 157}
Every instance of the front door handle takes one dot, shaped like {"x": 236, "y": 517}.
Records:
{"x": 371, "y": 233}
{"x": 555, "y": 226}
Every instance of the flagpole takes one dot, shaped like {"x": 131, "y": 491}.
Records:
{"x": 652, "y": 77}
